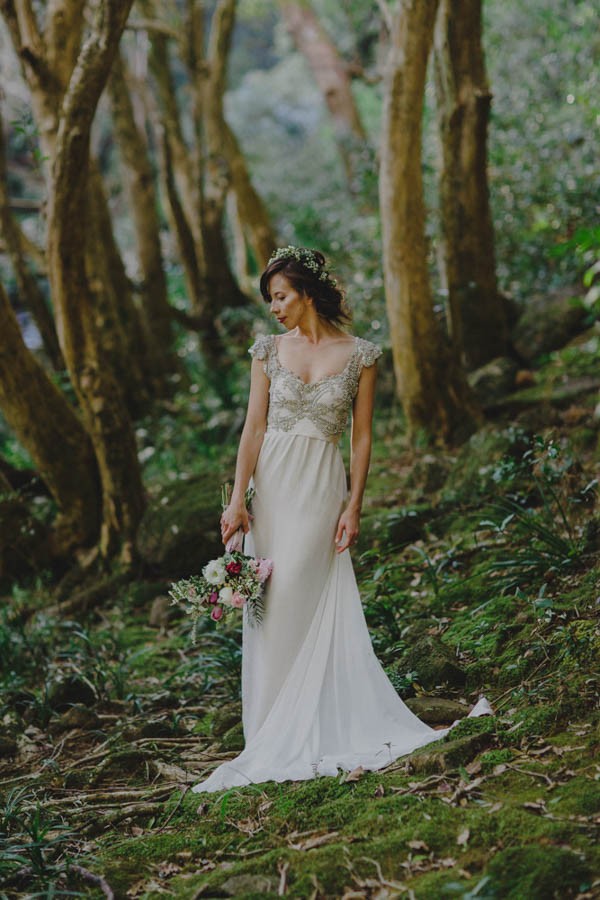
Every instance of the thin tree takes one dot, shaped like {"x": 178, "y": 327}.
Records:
{"x": 30, "y": 293}
{"x": 332, "y": 77}
{"x": 431, "y": 384}
{"x": 140, "y": 189}
{"x": 477, "y": 315}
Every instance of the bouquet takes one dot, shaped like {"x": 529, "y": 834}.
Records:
{"x": 233, "y": 581}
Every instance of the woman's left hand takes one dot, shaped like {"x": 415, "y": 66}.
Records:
{"x": 348, "y": 524}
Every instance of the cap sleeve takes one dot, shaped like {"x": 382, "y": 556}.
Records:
{"x": 369, "y": 352}
{"x": 262, "y": 349}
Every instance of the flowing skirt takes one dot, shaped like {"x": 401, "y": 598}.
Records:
{"x": 314, "y": 696}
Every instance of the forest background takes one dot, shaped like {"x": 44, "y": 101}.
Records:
{"x": 443, "y": 156}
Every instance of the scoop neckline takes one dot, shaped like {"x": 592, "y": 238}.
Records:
{"x": 319, "y": 380}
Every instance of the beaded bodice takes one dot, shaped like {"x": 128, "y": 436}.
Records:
{"x": 319, "y": 408}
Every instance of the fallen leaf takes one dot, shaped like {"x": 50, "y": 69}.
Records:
{"x": 535, "y": 805}
{"x": 417, "y": 845}
{"x": 354, "y": 775}
{"x": 463, "y": 837}
{"x": 316, "y": 840}
{"x": 496, "y": 807}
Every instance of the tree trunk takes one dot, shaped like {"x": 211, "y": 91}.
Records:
{"x": 139, "y": 183}
{"x": 49, "y": 429}
{"x": 29, "y": 291}
{"x": 476, "y": 313}
{"x": 220, "y": 282}
{"x": 202, "y": 203}
{"x": 332, "y": 78}
{"x": 98, "y": 390}
{"x": 431, "y": 384}
{"x": 251, "y": 210}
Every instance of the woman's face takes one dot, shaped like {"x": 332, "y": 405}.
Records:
{"x": 287, "y": 304}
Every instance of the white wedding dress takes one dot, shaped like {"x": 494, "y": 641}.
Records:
{"x": 314, "y": 696}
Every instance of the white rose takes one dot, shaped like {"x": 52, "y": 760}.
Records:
{"x": 225, "y": 596}
{"x": 214, "y": 572}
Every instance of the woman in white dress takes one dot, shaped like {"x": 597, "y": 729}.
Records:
{"x": 314, "y": 696}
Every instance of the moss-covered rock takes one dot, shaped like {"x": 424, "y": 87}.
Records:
{"x": 67, "y": 690}
{"x": 433, "y": 662}
{"x": 436, "y": 710}
{"x": 546, "y": 323}
{"x": 233, "y": 739}
{"x": 538, "y": 873}
{"x": 180, "y": 531}
{"x": 474, "y": 468}
{"x": 448, "y": 755}
{"x": 225, "y": 718}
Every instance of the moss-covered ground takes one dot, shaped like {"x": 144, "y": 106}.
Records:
{"x": 489, "y": 552}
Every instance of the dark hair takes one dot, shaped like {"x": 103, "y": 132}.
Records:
{"x": 327, "y": 296}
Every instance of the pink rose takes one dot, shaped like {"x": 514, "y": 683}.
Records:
{"x": 216, "y": 613}
{"x": 213, "y": 597}
{"x": 233, "y": 567}
{"x": 238, "y": 600}
{"x": 264, "y": 569}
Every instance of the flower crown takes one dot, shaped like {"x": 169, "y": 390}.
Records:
{"x": 307, "y": 258}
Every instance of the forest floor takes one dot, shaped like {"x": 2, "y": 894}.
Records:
{"x": 480, "y": 574}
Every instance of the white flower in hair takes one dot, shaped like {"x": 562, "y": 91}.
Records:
{"x": 305, "y": 257}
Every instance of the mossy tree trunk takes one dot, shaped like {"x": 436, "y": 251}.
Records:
{"x": 431, "y": 384}
{"x": 98, "y": 390}
{"x": 48, "y": 55}
{"x": 476, "y": 312}
{"x": 50, "y": 430}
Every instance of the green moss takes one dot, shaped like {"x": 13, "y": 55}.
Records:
{"x": 493, "y": 758}
{"x": 538, "y": 873}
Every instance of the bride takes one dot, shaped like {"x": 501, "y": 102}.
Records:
{"x": 314, "y": 696}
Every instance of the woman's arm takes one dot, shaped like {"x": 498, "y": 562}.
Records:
{"x": 236, "y": 514}
{"x": 360, "y": 455}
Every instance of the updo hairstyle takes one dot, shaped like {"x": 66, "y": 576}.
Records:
{"x": 306, "y": 272}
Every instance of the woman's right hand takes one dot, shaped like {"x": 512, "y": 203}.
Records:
{"x": 234, "y": 516}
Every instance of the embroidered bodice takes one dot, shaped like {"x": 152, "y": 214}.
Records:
{"x": 319, "y": 408}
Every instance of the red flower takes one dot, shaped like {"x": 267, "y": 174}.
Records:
{"x": 233, "y": 567}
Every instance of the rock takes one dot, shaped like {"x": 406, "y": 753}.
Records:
{"x": 161, "y": 612}
{"x": 538, "y": 873}
{"x": 226, "y": 717}
{"x": 77, "y": 716}
{"x": 69, "y": 690}
{"x": 547, "y": 323}
{"x": 246, "y": 885}
{"x": 429, "y": 472}
{"x": 494, "y": 380}
{"x": 8, "y": 746}
{"x": 436, "y": 710}
{"x": 449, "y": 755}
{"x": 156, "y": 728}
{"x": 20, "y": 701}
{"x": 233, "y": 739}
{"x": 180, "y": 531}
{"x": 406, "y": 526}
{"x": 474, "y": 467}
{"x": 127, "y": 761}
{"x": 433, "y": 662}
